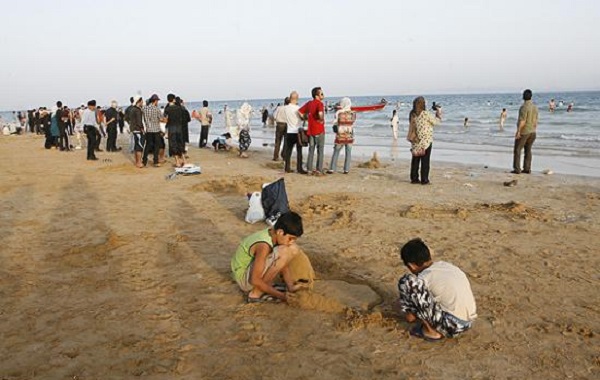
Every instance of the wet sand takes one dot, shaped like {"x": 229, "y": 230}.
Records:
{"x": 108, "y": 271}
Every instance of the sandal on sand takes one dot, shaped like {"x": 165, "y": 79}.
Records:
{"x": 417, "y": 332}
{"x": 262, "y": 299}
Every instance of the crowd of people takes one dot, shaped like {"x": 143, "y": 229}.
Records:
{"x": 159, "y": 131}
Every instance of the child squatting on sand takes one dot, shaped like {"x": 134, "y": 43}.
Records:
{"x": 262, "y": 256}
{"x": 437, "y": 294}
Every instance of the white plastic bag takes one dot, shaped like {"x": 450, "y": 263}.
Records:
{"x": 255, "y": 211}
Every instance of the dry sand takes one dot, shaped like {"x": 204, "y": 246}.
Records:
{"x": 108, "y": 271}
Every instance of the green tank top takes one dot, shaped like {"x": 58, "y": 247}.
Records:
{"x": 242, "y": 258}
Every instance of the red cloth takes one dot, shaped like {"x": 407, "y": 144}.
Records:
{"x": 312, "y": 108}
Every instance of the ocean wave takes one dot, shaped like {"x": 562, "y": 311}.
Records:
{"x": 580, "y": 138}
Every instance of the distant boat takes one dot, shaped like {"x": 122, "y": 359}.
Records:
{"x": 372, "y": 107}
{"x": 367, "y": 108}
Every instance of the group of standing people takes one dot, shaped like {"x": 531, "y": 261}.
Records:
{"x": 300, "y": 126}
{"x": 290, "y": 128}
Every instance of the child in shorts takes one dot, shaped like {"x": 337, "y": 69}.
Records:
{"x": 436, "y": 294}
{"x": 264, "y": 255}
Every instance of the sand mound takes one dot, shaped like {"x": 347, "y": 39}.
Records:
{"x": 275, "y": 165}
{"x": 356, "y": 296}
{"x": 335, "y": 296}
{"x": 301, "y": 269}
{"x": 373, "y": 163}
{"x": 232, "y": 185}
{"x": 306, "y": 299}
{"x": 419, "y": 211}
{"x": 515, "y": 210}
{"x": 357, "y": 320}
{"x": 336, "y": 208}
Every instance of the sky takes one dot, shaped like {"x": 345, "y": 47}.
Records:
{"x": 220, "y": 50}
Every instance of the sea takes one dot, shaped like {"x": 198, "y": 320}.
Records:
{"x": 567, "y": 142}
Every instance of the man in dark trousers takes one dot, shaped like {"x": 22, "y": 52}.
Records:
{"x": 526, "y": 133}
{"x": 62, "y": 116}
{"x": 90, "y": 127}
{"x": 174, "y": 116}
{"x": 136, "y": 127}
{"x": 112, "y": 116}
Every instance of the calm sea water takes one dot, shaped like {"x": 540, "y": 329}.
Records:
{"x": 573, "y": 137}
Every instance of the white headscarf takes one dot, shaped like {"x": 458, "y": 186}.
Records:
{"x": 345, "y": 106}
{"x": 243, "y": 116}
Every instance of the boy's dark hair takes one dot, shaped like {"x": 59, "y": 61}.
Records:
{"x": 205, "y": 103}
{"x": 91, "y": 103}
{"x": 131, "y": 100}
{"x": 170, "y": 98}
{"x": 527, "y": 94}
{"x": 315, "y": 92}
{"x": 290, "y": 223}
{"x": 286, "y": 101}
{"x": 58, "y": 104}
{"x": 416, "y": 252}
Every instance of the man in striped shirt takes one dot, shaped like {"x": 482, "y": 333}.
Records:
{"x": 154, "y": 139}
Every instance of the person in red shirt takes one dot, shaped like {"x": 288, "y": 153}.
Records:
{"x": 314, "y": 112}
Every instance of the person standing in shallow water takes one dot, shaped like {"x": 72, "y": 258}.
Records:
{"x": 526, "y": 134}
{"x": 394, "y": 124}
{"x": 420, "y": 135}
{"x": 502, "y": 119}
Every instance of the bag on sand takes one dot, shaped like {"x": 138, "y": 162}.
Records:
{"x": 302, "y": 137}
{"x": 412, "y": 132}
{"x": 275, "y": 200}
{"x": 255, "y": 212}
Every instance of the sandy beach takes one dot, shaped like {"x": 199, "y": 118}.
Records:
{"x": 108, "y": 271}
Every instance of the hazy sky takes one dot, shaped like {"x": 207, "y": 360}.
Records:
{"x": 78, "y": 50}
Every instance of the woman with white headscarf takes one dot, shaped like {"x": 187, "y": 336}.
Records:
{"x": 343, "y": 124}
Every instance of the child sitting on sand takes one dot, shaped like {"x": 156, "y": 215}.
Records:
{"x": 436, "y": 293}
{"x": 262, "y": 256}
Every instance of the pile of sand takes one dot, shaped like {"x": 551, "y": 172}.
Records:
{"x": 373, "y": 163}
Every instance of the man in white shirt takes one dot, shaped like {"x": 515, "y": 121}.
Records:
{"x": 291, "y": 117}
{"x": 280, "y": 129}
{"x": 90, "y": 128}
{"x": 205, "y": 118}
{"x": 436, "y": 294}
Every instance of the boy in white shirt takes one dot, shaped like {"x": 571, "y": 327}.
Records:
{"x": 436, "y": 294}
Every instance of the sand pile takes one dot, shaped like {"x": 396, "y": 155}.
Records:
{"x": 373, "y": 163}
{"x": 239, "y": 184}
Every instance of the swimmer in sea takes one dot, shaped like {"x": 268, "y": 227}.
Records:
{"x": 502, "y": 119}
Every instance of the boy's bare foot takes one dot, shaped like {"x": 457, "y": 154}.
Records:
{"x": 425, "y": 332}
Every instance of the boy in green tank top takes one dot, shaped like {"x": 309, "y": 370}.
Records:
{"x": 265, "y": 254}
